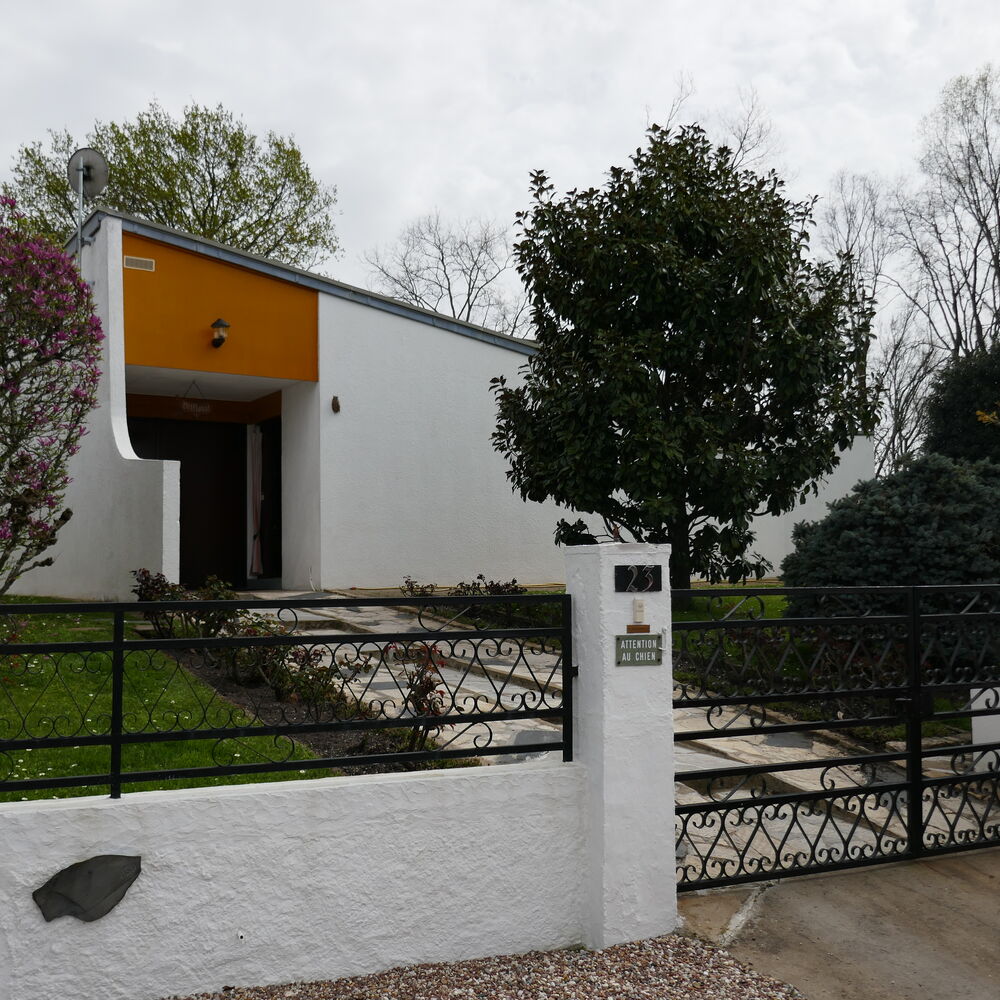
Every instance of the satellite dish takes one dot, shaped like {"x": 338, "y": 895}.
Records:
{"x": 89, "y": 168}
{"x": 88, "y": 177}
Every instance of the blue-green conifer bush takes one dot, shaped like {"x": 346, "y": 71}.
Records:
{"x": 935, "y": 521}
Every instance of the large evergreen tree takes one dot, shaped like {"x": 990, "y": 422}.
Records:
{"x": 695, "y": 367}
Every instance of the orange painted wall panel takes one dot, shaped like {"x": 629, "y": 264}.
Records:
{"x": 169, "y": 314}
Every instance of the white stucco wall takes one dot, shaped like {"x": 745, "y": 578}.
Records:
{"x": 259, "y": 884}
{"x": 302, "y": 480}
{"x": 986, "y": 728}
{"x": 402, "y": 481}
{"x": 774, "y": 533}
{"x": 125, "y": 510}
{"x": 410, "y": 482}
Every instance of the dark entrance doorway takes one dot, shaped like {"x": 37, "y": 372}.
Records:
{"x": 269, "y": 517}
{"x": 213, "y": 459}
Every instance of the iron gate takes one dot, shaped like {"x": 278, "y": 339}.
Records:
{"x": 823, "y": 729}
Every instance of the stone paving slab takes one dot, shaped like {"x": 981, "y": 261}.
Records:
{"x": 495, "y": 680}
{"x": 470, "y": 674}
{"x": 543, "y": 670}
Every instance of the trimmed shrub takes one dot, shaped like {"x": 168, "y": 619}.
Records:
{"x": 183, "y": 623}
{"x": 935, "y": 521}
{"x": 481, "y": 587}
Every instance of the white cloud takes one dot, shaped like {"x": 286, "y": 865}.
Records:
{"x": 411, "y": 104}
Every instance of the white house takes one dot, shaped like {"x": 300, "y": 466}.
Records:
{"x": 279, "y": 428}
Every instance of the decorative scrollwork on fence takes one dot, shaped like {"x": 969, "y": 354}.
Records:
{"x": 962, "y": 813}
{"x": 216, "y": 675}
{"x": 960, "y": 651}
{"x": 860, "y": 776}
{"x": 54, "y": 695}
{"x": 480, "y": 734}
{"x": 787, "y": 659}
{"x": 745, "y": 607}
{"x": 972, "y": 761}
{"x": 768, "y": 839}
{"x": 723, "y": 717}
{"x": 233, "y": 751}
{"x": 724, "y": 788}
{"x": 857, "y": 674}
{"x": 440, "y": 618}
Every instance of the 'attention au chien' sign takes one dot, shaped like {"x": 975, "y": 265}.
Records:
{"x": 638, "y": 651}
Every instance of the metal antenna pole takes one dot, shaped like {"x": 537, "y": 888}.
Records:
{"x": 80, "y": 170}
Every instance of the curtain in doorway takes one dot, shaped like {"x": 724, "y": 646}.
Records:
{"x": 255, "y": 452}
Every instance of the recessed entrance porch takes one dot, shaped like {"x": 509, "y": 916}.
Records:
{"x": 225, "y": 430}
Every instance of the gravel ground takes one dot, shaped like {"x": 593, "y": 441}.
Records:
{"x": 664, "y": 968}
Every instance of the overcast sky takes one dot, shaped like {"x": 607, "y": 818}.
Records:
{"x": 408, "y": 105}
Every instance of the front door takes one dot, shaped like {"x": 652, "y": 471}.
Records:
{"x": 270, "y": 499}
{"x": 213, "y": 492}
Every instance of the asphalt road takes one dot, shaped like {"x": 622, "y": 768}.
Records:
{"x": 921, "y": 930}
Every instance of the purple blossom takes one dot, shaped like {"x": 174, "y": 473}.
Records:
{"x": 50, "y": 342}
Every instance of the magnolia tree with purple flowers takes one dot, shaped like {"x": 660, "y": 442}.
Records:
{"x": 49, "y": 352}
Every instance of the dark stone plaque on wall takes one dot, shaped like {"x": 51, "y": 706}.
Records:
{"x": 638, "y": 579}
{"x": 89, "y": 889}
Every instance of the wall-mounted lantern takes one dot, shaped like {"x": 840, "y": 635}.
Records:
{"x": 220, "y": 330}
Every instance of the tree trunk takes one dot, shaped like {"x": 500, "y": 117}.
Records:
{"x": 680, "y": 561}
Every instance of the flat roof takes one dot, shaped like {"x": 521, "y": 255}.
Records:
{"x": 307, "y": 279}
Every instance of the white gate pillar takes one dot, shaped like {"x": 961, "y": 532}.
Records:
{"x": 986, "y": 728}
{"x": 623, "y": 735}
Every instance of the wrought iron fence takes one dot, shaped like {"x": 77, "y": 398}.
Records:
{"x": 831, "y": 728}
{"x": 155, "y": 693}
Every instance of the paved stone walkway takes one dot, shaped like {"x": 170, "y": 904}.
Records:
{"x": 488, "y": 673}
{"x": 495, "y": 673}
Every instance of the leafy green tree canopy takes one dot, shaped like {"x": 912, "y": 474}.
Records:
{"x": 694, "y": 366}
{"x": 205, "y": 173}
{"x": 962, "y": 388}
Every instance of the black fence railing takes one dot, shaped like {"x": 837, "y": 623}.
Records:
{"x": 100, "y": 697}
{"x": 820, "y": 729}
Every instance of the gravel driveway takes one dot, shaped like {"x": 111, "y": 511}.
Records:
{"x": 664, "y": 968}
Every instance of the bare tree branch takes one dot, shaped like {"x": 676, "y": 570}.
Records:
{"x": 902, "y": 369}
{"x": 458, "y": 269}
{"x": 749, "y": 132}
{"x": 855, "y": 219}
{"x": 948, "y": 227}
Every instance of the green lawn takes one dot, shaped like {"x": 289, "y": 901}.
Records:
{"x": 69, "y": 694}
{"x": 714, "y": 608}
{"x": 742, "y": 677}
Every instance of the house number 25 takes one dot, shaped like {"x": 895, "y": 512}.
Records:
{"x": 638, "y": 579}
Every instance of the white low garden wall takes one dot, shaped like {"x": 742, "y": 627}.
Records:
{"x": 299, "y": 880}
{"x": 317, "y": 879}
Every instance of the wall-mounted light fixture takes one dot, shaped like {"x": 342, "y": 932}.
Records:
{"x": 220, "y": 330}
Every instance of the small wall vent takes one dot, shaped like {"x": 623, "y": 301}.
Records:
{"x": 140, "y": 263}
